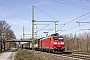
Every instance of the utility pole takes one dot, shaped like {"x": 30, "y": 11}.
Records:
{"x": 33, "y": 27}
{"x": 87, "y": 43}
{"x": 21, "y": 37}
{"x": 55, "y": 27}
{"x": 23, "y": 32}
{"x": 36, "y": 32}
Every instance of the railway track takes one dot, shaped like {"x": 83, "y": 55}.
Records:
{"x": 69, "y": 56}
{"x": 77, "y": 56}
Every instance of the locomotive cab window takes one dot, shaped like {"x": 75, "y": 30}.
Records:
{"x": 58, "y": 38}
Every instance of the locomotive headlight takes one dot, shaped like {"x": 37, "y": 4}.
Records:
{"x": 62, "y": 43}
{"x": 55, "y": 42}
{"x": 60, "y": 38}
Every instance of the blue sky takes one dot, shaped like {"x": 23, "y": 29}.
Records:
{"x": 18, "y": 13}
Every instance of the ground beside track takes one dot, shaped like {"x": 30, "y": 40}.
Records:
{"x": 24, "y": 54}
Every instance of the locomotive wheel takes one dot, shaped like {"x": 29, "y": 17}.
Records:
{"x": 47, "y": 51}
{"x": 41, "y": 50}
{"x": 53, "y": 51}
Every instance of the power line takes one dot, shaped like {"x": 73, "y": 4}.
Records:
{"x": 65, "y": 12}
{"x": 27, "y": 28}
{"x": 72, "y": 3}
{"x": 70, "y": 7}
{"x": 45, "y": 13}
{"x": 74, "y": 19}
{"x": 77, "y": 18}
{"x": 42, "y": 28}
{"x": 62, "y": 14}
{"x": 81, "y": 30}
{"x": 88, "y": 0}
{"x": 81, "y": 6}
{"x": 66, "y": 3}
{"x": 75, "y": 27}
{"x": 84, "y": 18}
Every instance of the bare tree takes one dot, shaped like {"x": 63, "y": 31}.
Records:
{"x": 80, "y": 42}
{"x": 5, "y": 32}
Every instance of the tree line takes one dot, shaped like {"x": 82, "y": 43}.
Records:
{"x": 77, "y": 42}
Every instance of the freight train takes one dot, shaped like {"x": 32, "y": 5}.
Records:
{"x": 53, "y": 43}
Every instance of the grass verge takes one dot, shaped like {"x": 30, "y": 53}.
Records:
{"x": 22, "y": 54}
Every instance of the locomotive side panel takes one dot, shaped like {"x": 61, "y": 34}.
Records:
{"x": 45, "y": 43}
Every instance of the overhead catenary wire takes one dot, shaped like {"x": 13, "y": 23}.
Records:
{"x": 68, "y": 9}
{"x": 71, "y": 4}
{"x": 83, "y": 18}
{"x": 45, "y": 13}
{"x": 65, "y": 11}
{"x": 88, "y": 0}
{"x": 42, "y": 28}
{"x": 27, "y": 28}
{"x": 74, "y": 28}
{"x": 74, "y": 19}
{"x": 63, "y": 14}
{"x": 77, "y": 26}
{"x": 67, "y": 22}
{"x": 81, "y": 6}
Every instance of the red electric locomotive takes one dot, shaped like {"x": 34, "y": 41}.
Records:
{"x": 52, "y": 43}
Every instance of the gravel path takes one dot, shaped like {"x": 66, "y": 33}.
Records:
{"x": 7, "y": 55}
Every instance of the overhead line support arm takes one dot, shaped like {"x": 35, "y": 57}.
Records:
{"x": 49, "y": 21}
{"x": 81, "y": 22}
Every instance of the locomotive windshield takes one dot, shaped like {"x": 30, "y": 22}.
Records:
{"x": 58, "y": 38}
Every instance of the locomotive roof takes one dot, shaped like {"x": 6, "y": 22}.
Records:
{"x": 56, "y": 34}
{"x": 50, "y": 37}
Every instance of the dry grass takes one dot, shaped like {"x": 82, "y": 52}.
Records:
{"x": 22, "y": 54}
